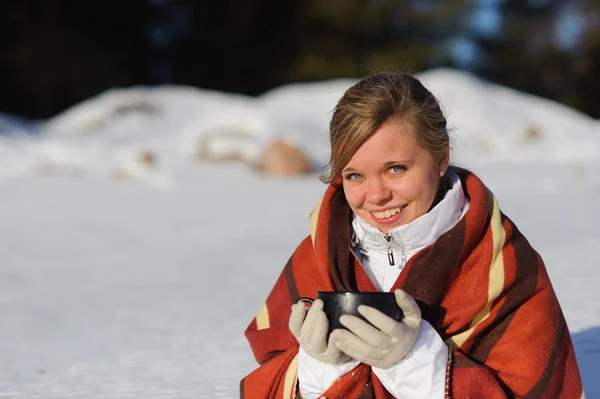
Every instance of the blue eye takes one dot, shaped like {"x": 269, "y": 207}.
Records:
{"x": 398, "y": 168}
{"x": 353, "y": 176}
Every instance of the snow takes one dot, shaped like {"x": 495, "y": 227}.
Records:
{"x": 124, "y": 279}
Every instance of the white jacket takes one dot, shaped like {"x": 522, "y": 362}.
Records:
{"x": 422, "y": 373}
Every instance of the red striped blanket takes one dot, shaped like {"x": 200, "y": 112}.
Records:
{"x": 481, "y": 285}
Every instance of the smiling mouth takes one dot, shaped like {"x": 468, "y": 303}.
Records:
{"x": 388, "y": 213}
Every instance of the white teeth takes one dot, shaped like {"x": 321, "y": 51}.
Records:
{"x": 387, "y": 214}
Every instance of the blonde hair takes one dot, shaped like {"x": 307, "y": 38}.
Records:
{"x": 367, "y": 105}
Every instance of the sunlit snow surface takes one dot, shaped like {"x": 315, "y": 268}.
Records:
{"x": 124, "y": 280}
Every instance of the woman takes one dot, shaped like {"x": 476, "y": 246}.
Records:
{"x": 481, "y": 317}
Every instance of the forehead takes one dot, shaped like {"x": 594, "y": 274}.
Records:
{"x": 395, "y": 140}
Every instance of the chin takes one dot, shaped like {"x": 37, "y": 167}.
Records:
{"x": 385, "y": 228}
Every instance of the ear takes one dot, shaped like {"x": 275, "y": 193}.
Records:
{"x": 444, "y": 160}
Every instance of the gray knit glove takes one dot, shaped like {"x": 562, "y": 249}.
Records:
{"x": 310, "y": 329}
{"x": 385, "y": 342}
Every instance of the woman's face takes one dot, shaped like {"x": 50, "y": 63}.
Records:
{"x": 391, "y": 180}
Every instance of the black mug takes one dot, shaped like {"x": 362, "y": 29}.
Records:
{"x": 338, "y": 303}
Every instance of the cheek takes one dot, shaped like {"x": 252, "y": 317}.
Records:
{"x": 421, "y": 190}
{"x": 354, "y": 195}
{"x": 408, "y": 189}
{"x": 428, "y": 191}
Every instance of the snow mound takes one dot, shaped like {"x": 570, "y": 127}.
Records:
{"x": 113, "y": 133}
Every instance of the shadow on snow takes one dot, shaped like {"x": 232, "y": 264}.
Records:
{"x": 587, "y": 349}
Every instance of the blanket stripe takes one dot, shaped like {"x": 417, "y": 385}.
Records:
{"x": 289, "y": 387}
{"x": 291, "y": 283}
{"x": 496, "y": 275}
{"x": 481, "y": 285}
{"x": 262, "y": 319}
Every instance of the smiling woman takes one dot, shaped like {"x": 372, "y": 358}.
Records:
{"x": 391, "y": 179}
{"x": 480, "y": 315}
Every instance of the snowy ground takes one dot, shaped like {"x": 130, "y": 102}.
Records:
{"x": 142, "y": 288}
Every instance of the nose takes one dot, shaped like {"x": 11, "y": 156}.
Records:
{"x": 378, "y": 192}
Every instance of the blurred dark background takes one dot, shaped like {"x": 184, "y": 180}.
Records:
{"x": 55, "y": 53}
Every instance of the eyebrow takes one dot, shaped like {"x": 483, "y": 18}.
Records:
{"x": 385, "y": 165}
{"x": 390, "y": 163}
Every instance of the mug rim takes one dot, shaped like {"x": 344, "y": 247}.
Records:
{"x": 345, "y": 293}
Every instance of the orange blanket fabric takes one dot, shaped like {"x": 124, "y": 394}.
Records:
{"x": 481, "y": 285}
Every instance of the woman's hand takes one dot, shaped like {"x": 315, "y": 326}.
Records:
{"x": 311, "y": 332}
{"x": 385, "y": 342}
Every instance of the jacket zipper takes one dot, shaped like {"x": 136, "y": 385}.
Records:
{"x": 390, "y": 252}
